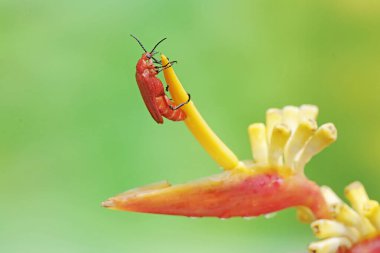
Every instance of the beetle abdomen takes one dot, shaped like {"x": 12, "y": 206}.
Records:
{"x": 163, "y": 103}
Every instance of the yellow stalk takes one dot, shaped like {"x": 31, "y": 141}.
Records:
{"x": 280, "y": 135}
{"x": 323, "y": 137}
{"x": 330, "y": 245}
{"x": 329, "y": 228}
{"x": 197, "y": 125}
{"x": 273, "y": 118}
{"x": 304, "y": 214}
{"x": 302, "y": 133}
{"x": 290, "y": 116}
{"x": 357, "y": 195}
{"x": 259, "y": 146}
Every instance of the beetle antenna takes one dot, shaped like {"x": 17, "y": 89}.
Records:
{"x": 139, "y": 43}
{"x": 158, "y": 43}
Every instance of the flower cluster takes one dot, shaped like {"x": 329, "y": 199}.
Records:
{"x": 351, "y": 229}
{"x": 273, "y": 180}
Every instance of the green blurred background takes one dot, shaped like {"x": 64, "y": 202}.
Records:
{"x": 74, "y": 130}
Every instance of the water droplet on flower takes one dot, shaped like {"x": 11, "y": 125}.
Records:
{"x": 269, "y": 215}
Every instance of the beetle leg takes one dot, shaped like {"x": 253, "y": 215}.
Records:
{"x": 169, "y": 63}
{"x": 166, "y": 66}
{"x": 160, "y": 62}
{"x": 180, "y": 105}
{"x": 156, "y": 61}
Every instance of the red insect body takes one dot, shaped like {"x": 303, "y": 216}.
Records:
{"x": 153, "y": 93}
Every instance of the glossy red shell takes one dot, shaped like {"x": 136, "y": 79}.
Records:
{"x": 153, "y": 94}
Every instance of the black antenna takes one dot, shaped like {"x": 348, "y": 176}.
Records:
{"x": 140, "y": 43}
{"x": 157, "y": 45}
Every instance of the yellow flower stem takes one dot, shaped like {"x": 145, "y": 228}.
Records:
{"x": 197, "y": 125}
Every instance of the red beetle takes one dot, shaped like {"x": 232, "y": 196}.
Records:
{"x": 152, "y": 90}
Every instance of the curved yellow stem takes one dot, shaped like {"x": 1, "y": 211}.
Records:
{"x": 197, "y": 125}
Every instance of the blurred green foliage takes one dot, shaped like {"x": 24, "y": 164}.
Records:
{"x": 74, "y": 130}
